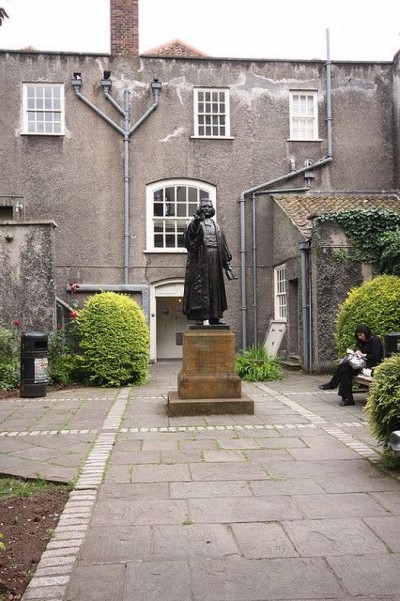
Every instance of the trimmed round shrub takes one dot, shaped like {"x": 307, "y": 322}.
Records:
{"x": 255, "y": 365}
{"x": 114, "y": 340}
{"x": 383, "y": 405}
{"x": 375, "y": 303}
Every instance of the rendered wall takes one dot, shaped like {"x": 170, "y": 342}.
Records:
{"x": 27, "y": 287}
{"x": 77, "y": 179}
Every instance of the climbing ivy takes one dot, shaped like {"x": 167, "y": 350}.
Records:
{"x": 375, "y": 234}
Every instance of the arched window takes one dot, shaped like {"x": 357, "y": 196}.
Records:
{"x": 170, "y": 206}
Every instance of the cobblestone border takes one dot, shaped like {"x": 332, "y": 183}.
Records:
{"x": 55, "y": 567}
{"x": 182, "y": 429}
{"x": 53, "y": 399}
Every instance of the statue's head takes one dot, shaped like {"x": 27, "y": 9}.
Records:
{"x": 206, "y": 207}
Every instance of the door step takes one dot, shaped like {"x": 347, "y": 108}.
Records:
{"x": 292, "y": 363}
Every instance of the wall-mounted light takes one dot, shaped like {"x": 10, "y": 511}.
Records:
{"x": 106, "y": 81}
{"x": 76, "y": 82}
{"x": 156, "y": 89}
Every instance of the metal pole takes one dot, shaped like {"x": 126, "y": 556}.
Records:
{"x": 304, "y": 249}
{"x": 243, "y": 271}
{"x": 254, "y": 270}
{"x": 126, "y": 188}
{"x": 328, "y": 96}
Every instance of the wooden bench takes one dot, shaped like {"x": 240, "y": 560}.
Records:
{"x": 363, "y": 380}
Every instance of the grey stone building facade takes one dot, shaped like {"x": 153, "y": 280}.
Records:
{"x": 91, "y": 143}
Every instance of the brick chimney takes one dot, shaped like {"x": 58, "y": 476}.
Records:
{"x": 124, "y": 23}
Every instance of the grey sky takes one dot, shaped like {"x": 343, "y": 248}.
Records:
{"x": 359, "y": 29}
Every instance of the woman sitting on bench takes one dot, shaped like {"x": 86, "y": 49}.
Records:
{"x": 371, "y": 349}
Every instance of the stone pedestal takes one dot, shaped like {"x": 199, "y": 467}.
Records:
{"x": 207, "y": 383}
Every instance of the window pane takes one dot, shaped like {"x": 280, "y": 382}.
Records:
{"x": 169, "y": 209}
{"x": 170, "y": 194}
{"x": 170, "y": 241}
{"x": 158, "y": 209}
{"x": 181, "y": 194}
{"x": 192, "y": 194}
{"x": 181, "y": 209}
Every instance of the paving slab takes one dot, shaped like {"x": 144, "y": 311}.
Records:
{"x": 388, "y": 530}
{"x": 193, "y": 540}
{"x": 260, "y": 540}
{"x": 368, "y": 574}
{"x": 266, "y": 579}
{"x": 164, "y": 580}
{"x": 323, "y": 537}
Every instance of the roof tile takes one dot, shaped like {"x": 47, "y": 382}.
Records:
{"x": 302, "y": 208}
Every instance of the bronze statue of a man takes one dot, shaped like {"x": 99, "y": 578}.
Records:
{"x": 208, "y": 255}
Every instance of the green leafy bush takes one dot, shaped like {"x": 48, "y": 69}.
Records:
{"x": 66, "y": 369}
{"x": 114, "y": 340}
{"x": 375, "y": 303}
{"x": 9, "y": 356}
{"x": 9, "y": 373}
{"x": 383, "y": 405}
{"x": 255, "y": 365}
{"x": 64, "y": 364}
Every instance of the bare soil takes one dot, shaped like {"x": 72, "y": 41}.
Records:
{"x": 27, "y": 524}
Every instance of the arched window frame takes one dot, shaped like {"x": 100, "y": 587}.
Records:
{"x": 164, "y": 232}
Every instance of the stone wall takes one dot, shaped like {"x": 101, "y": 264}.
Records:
{"x": 27, "y": 291}
{"x": 333, "y": 274}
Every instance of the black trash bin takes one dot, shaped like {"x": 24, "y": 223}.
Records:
{"x": 34, "y": 364}
{"x": 392, "y": 344}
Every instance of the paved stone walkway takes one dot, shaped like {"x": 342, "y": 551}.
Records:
{"x": 286, "y": 504}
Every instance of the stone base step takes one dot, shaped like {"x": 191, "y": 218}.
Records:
{"x": 178, "y": 407}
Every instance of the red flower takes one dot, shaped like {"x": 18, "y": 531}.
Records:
{"x": 73, "y": 314}
{"x": 17, "y": 322}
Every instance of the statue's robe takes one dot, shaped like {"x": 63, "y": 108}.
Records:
{"x": 208, "y": 254}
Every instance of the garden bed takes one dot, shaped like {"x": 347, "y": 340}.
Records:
{"x": 27, "y": 524}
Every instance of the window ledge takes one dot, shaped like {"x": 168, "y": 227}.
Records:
{"x": 165, "y": 251}
{"x": 304, "y": 140}
{"x": 212, "y": 138}
{"x": 44, "y": 135}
